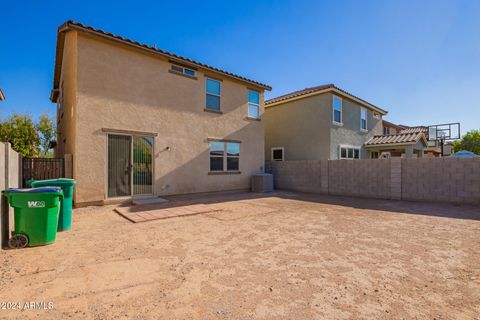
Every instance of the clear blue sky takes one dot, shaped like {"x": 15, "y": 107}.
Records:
{"x": 420, "y": 60}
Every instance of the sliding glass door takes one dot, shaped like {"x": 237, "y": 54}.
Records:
{"x": 142, "y": 165}
{"x": 119, "y": 166}
{"x": 130, "y": 165}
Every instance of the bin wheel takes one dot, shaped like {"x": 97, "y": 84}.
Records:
{"x": 18, "y": 241}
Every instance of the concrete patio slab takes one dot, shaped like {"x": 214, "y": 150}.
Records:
{"x": 143, "y": 213}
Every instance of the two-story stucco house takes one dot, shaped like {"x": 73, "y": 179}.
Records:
{"x": 140, "y": 121}
{"x": 320, "y": 123}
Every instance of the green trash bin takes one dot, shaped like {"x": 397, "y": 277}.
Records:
{"x": 65, "y": 217}
{"x": 35, "y": 215}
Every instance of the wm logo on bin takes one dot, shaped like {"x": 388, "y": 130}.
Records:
{"x": 36, "y": 204}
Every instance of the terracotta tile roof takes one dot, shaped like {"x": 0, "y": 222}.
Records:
{"x": 415, "y": 130}
{"x": 310, "y": 90}
{"x": 400, "y": 138}
{"x": 72, "y": 25}
{"x": 2, "y": 96}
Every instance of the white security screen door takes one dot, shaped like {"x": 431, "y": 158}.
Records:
{"x": 129, "y": 164}
{"x": 142, "y": 165}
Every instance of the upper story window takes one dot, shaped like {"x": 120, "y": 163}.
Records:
{"x": 386, "y": 131}
{"x": 363, "y": 119}
{"x": 213, "y": 94}
{"x": 183, "y": 70}
{"x": 349, "y": 152}
{"x": 278, "y": 154}
{"x": 224, "y": 156}
{"x": 337, "y": 110}
{"x": 253, "y": 104}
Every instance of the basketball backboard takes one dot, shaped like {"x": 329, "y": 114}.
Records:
{"x": 447, "y": 131}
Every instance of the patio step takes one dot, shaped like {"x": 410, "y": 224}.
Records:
{"x": 143, "y": 201}
{"x": 148, "y": 213}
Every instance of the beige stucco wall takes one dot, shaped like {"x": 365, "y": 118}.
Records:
{"x": 123, "y": 88}
{"x": 304, "y": 128}
{"x": 349, "y": 133}
{"x": 300, "y": 128}
{"x": 393, "y": 130}
{"x": 67, "y": 99}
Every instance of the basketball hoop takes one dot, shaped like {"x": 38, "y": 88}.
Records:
{"x": 444, "y": 132}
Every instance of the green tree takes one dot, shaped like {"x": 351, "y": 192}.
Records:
{"x": 46, "y": 132}
{"x": 21, "y": 132}
{"x": 469, "y": 142}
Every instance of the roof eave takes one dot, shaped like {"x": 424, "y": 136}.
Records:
{"x": 69, "y": 25}
{"x": 58, "y": 57}
{"x": 397, "y": 144}
{"x": 2, "y": 96}
{"x": 334, "y": 89}
{"x": 390, "y": 144}
{"x": 391, "y": 124}
{"x": 424, "y": 140}
{"x": 54, "y": 95}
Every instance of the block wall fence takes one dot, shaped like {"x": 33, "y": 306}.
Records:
{"x": 420, "y": 179}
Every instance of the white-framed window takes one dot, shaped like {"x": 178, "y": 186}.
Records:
{"x": 212, "y": 88}
{"x": 377, "y": 115}
{"x": 224, "y": 156}
{"x": 386, "y": 131}
{"x": 278, "y": 154}
{"x": 183, "y": 70}
{"x": 337, "y": 110}
{"x": 349, "y": 152}
{"x": 253, "y": 104}
{"x": 363, "y": 119}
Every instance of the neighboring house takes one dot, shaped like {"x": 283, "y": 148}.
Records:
{"x": 320, "y": 123}
{"x": 2, "y": 96}
{"x": 408, "y": 145}
{"x": 448, "y": 148}
{"x": 432, "y": 150}
{"x": 140, "y": 121}
{"x": 403, "y": 141}
{"x": 391, "y": 128}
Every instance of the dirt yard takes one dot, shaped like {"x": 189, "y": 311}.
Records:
{"x": 282, "y": 256}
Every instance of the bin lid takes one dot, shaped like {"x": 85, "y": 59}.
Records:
{"x": 34, "y": 190}
{"x": 52, "y": 182}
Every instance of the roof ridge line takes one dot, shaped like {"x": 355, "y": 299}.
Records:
{"x": 76, "y": 25}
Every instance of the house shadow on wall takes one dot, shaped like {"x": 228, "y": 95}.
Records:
{"x": 424, "y": 208}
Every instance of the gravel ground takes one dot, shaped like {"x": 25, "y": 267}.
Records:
{"x": 280, "y": 256}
